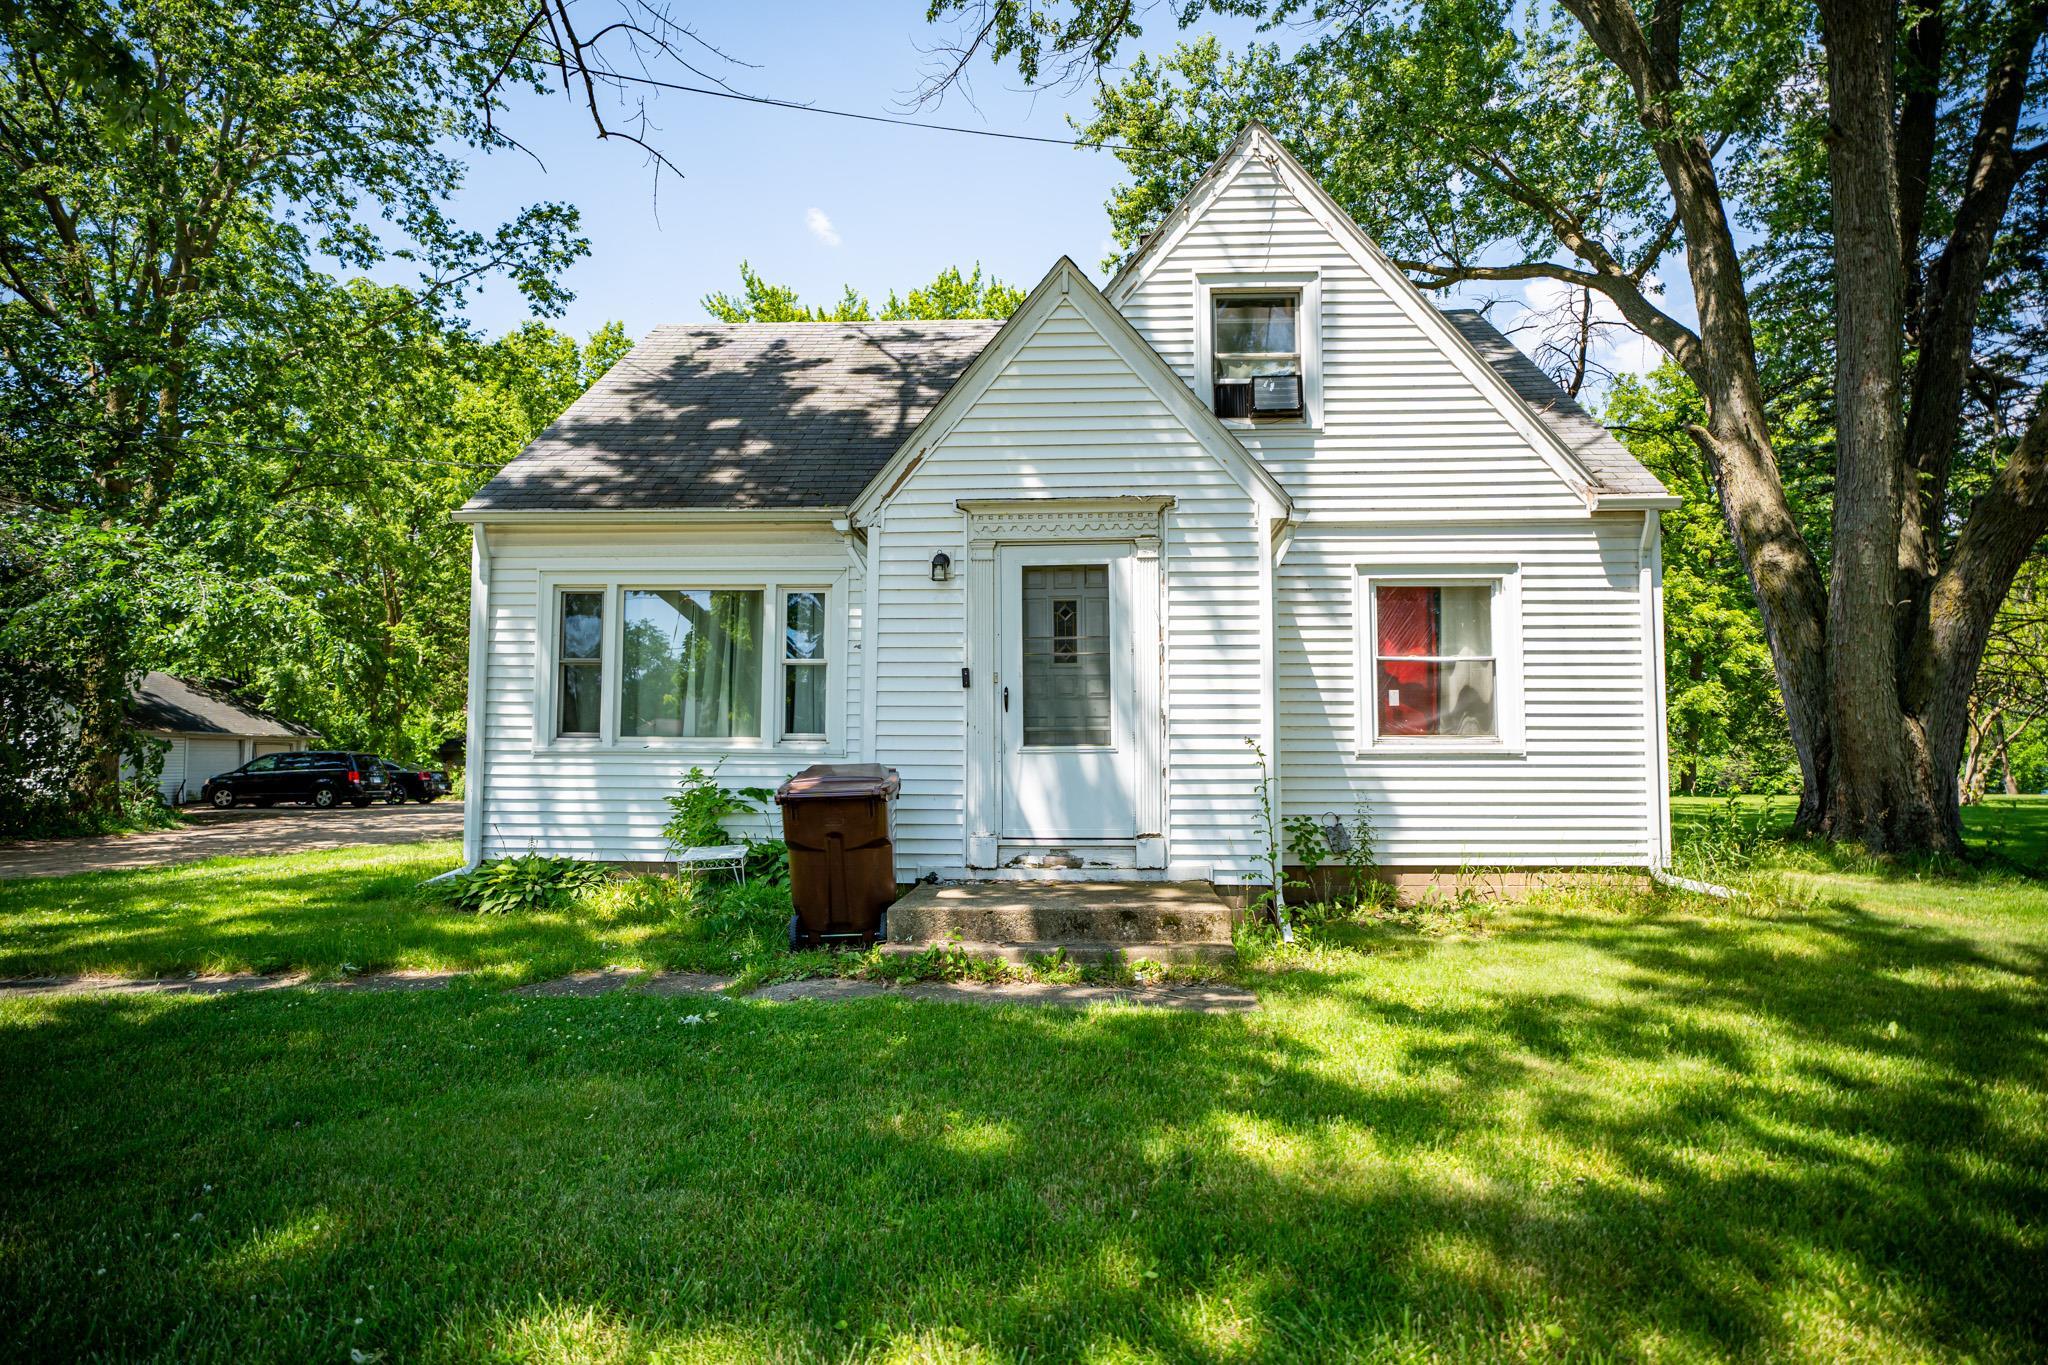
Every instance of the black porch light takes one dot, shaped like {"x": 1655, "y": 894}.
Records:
{"x": 942, "y": 567}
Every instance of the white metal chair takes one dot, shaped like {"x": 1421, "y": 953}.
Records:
{"x": 713, "y": 857}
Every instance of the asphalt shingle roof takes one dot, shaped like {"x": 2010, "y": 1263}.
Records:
{"x": 749, "y": 415}
{"x": 1614, "y": 470}
{"x": 176, "y": 705}
{"x": 768, "y": 416}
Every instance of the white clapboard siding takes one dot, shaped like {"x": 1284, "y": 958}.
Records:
{"x": 1415, "y": 463}
{"x": 171, "y": 782}
{"x": 606, "y": 802}
{"x": 1403, "y": 430}
{"x": 1068, "y": 417}
{"x": 1574, "y": 795}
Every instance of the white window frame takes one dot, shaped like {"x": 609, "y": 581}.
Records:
{"x": 1506, "y": 625}
{"x": 560, "y": 662}
{"x": 1308, "y": 326}
{"x": 773, "y": 589}
{"x": 783, "y": 663}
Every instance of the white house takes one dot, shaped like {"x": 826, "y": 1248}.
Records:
{"x": 206, "y": 733}
{"x": 1058, "y": 571}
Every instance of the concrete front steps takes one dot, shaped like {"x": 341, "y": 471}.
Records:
{"x": 1090, "y": 921}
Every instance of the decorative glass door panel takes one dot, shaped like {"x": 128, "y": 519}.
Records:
{"x": 1066, "y": 678}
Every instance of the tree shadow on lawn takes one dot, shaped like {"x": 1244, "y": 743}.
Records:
{"x": 1707, "y": 1140}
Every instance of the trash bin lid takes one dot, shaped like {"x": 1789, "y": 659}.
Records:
{"x": 840, "y": 781}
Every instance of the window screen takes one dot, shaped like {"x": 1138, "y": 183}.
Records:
{"x": 1434, "y": 661}
{"x": 1066, "y": 655}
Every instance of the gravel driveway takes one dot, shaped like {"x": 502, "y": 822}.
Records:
{"x": 209, "y": 833}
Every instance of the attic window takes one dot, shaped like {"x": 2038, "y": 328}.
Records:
{"x": 1256, "y": 353}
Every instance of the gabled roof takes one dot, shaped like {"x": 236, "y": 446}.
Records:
{"x": 756, "y": 416}
{"x": 763, "y": 418}
{"x": 1615, "y": 471}
{"x": 1523, "y": 394}
{"x": 179, "y": 706}
{"x": 1067, "y": 281}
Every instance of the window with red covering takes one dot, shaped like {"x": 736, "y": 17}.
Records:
{"x": 1433, "y": 660}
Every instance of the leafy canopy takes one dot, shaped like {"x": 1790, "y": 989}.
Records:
{"x": 950, "y": 295}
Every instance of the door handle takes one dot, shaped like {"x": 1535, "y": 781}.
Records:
{"x": 1006, "y": 700}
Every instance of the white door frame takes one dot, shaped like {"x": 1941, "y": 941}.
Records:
{"x": 1069, "y": 819}
{"x": 1138, "y": 522}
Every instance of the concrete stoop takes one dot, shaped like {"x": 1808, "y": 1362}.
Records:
{"x": 1091, "y": 921}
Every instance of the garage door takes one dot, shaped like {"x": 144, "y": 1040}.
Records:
{"x": 273, "y": 746}
{"x": 206, "y": 758}
{"x": 171, "y": 781}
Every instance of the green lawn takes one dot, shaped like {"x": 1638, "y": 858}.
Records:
{"x": 1813, "y": 1124}
{"x": 331, "y": 913}
{"x": 2013, "y": 828}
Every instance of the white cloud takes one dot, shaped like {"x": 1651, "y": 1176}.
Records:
{"x": 821, "y": 226}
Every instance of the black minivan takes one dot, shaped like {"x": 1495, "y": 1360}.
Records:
{"x": 318, "y": 777}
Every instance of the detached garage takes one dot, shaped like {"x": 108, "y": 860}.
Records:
{"x": 209, "y": 732}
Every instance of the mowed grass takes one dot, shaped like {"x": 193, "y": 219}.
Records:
{"x": 331, "y": 913}
{"x": 1810, "y": 1125}
{"x": 2008, "y": 829}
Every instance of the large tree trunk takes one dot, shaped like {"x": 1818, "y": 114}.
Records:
{"x": 1877, "y": 662}
{"x": 1884, "y": 787}
{"x": 102, "y": 716}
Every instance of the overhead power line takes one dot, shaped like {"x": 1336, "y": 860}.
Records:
{"x": 801, "y": 108}
{"x": 555, "y": 59}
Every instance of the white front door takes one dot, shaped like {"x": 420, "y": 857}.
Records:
{"x": 1068, "y": 701}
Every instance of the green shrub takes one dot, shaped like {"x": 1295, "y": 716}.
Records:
{"x": 768, "y": 861}
{"x": 757, "y": 911}
{"x": 700, "y": 807}
{"x": 529, "y": 882}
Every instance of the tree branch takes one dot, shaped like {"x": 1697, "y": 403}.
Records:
{"x": 2001, "y": 531}
{"x": 1954, "y": 289}
{"x": 1919, "y": 116}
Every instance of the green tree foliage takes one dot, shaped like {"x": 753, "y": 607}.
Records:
{"x": 950, "y": 295}
{"x": 2008, "y": 749}
{"x": 349, "y": 609}
{"x": 1726, "y": 725}
{"x": 172, "y": 172}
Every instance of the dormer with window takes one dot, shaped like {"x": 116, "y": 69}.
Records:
{"x": 1259, "y": 348}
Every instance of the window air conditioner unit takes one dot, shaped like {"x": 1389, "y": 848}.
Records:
{"x": 1276, "y": 395}
{"x": 1233, "y": 398}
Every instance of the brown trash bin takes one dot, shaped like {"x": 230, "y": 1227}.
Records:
{"x": 838, "y": 820}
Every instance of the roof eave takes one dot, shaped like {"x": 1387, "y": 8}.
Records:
{"x": 1634, "y": 502}
{"x": 649, "y": 516}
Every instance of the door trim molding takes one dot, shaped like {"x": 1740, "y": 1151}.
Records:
{"x": 992, "y": 523}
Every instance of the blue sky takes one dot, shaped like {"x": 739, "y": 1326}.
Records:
{"x": 811, "y": 201}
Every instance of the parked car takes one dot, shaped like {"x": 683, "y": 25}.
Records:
{"x": 413, "y": 784}
{"x": 317, "y": 777}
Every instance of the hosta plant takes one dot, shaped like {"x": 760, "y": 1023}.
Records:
{"x": 527, "y": 883}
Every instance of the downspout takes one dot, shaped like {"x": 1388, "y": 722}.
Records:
{"x": 871, "y": 642}
{"x": 1280, "y": 540}
{"x": 474, "y": 758}
{"x": 857, "y": 559}
{"x": 1650, "y": 557}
